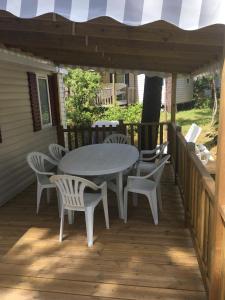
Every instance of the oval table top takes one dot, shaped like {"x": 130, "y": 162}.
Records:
{"x": 99, "y": 159}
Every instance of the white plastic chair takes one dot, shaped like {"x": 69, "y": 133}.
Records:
{"x": 71, "y": 190}
{"x": 117, "y": 138}
{"x": 38, "y": 161}
{"x": 147, "y": 164}
{"x": 57, "y": 151}
{"x": 193, "y": 133}
{"x": 157, "y": 153}
{"x": 150, "y": 188}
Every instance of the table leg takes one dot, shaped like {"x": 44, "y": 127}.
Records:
{"x": 119, "y": 185}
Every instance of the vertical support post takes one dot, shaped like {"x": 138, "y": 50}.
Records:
{"x": 173, "y": 97}
{"x": 61, "y": 137}
{"x": 114, "y": 88}
{"x": 218, "y": 227}
{"x": 190, "y": 147}
{"x": 176, "y": 150}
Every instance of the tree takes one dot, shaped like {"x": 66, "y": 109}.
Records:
{"x": 82, "y": 87}
{"x": 151, "y": 110}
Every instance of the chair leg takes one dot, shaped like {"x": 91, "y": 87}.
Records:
{"x": 59, "y": 202}
{"x": 39, "y": 193}
{"x": 61, "y": 225}
{"x": 105, "y": 207}
{"x": 152, "y": 198}
{"x": 119, "y": 184}
{"x": 134, "y": 195}
{"x": 125, "y": 204}
{"x": 89, "y": 218}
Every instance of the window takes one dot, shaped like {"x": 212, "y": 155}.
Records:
{"x": 120, "y": 78}
{"x": 43, "y": 94}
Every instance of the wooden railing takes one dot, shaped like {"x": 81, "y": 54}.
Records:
{"x": 77, "y": 136}
{"x": 197, "y": 188}
{"x": 104, "y": 97}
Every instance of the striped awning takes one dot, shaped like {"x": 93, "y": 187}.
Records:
{"x": 186, "y": 14}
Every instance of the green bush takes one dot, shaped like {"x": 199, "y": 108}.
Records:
{"x": 130, "y": 114}
{"x": 203, "y": 103}
{"x": 82, "y": 87}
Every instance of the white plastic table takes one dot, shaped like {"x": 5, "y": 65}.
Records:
{"x": 99, "y": 160}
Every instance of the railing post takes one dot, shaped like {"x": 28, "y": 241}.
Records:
{"x": 218, "y": 227}
{"x": 178, "y": 129}
{"x": 60, "y": 135}
{"x": 173, "y": 97}
{"x": 121, "y": 127}
{"x": 190, "y": 147}
{"x": 169, "y": 137}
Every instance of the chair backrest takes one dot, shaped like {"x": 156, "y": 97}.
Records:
{"x": 37, "y": 161}
{"x": 117, "y": 138}
{"x": 57, "y": 151}
{"x": 157, "y": 172}
{"x": 193, "y": 133}
{"x": 71, "y": 189}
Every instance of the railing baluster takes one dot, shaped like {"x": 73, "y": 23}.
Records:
{"x": 139, "y": 137}
{"x": 69, "y": 138}
{"x": 90, "y": 138}
{"x": 96, "y": 134}
{"x": 132, "y": 134}
{"x": 103, "y": 133}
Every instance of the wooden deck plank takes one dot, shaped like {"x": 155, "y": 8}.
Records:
{"x": 137, "y": 260}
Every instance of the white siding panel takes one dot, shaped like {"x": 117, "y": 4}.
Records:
{"x": 62, "y": 99}
{"x": 184, "y": 91}
{"x": 17, "y": 132}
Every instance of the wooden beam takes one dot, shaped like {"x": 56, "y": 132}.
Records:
{"x": 117, "y": 57}
{"x": 165, "y": 33}
{"x": 48, "y": 45}
{"x": 173, "y": 97}
{"x": 114, "y": 46}
{"x": 121, "y": 62}
{"x": 218, "y": 232}
{"x": 114, "y": 88}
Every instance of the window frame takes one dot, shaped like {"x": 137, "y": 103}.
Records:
{"x": 44, "y": 77}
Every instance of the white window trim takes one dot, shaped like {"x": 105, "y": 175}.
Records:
{"x": 39, "y": 101}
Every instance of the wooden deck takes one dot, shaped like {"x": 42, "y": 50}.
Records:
{"x": 133, "y": 261}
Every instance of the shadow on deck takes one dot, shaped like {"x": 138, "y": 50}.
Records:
{"x": 136, "y": 260}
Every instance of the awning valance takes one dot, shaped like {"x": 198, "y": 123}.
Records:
{"x": 186, "y": 14}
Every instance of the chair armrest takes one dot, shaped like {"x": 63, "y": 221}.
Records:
{"x": 94, "y": 186}
{"x": 45, "y": 173}
{"x": 149, "y": 152}
{"x": 143, "y": 177}
{"x": 102, "y": 185}
{"x": 143, "y": 152}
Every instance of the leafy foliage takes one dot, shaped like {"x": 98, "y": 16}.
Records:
{"x": 82, "y": 87}
{"x": 204, "y": 91}
{"x": 130, "y": 114}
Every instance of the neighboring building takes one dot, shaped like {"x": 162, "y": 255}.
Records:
{"x": 118, "y": 87}
{"x": 184, "y": 92}
{"x": 31, "y": 106}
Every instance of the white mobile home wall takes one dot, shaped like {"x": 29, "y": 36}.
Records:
{"x": 18, "y": 137}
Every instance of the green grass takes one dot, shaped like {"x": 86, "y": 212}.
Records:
{"x": 202, "y": 117}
